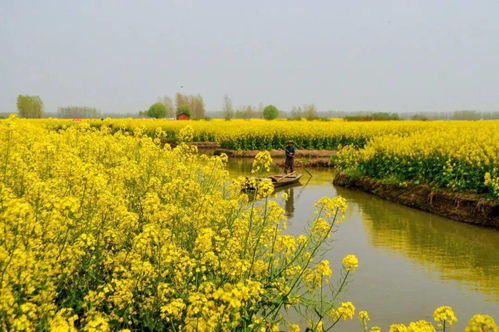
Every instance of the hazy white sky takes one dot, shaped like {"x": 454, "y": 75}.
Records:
{"x": 120, "y": 56}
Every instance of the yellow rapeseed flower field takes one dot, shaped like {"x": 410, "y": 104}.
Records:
{"x": 459, "y": 156}
{"x": 106, "y": 229}
{"x": 112, "y": 231}
{"x": 263, "y": 134}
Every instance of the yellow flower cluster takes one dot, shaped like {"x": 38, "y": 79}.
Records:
{"x": 364, "y": 319}
{"x": 262, "y": 162}
{"x": 103, "y": 230}
{"x": 418, "y": 326}
{"x": 350, "y": 262}
{"x": 185, "y": 134}
{"x": 444, "y": 314}
{"x": 263, "y": 134}
{"x": 345, "y": 311}
{"x": 458, "y": 156}
{"x": 317, "y": 276}
{"x": 492, "y": 182}
{"x": 482, "y": 323}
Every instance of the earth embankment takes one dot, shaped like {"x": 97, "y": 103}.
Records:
{"x": 465, "y": 207}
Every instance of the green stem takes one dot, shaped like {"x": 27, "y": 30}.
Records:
{"x": 314, "y": 251}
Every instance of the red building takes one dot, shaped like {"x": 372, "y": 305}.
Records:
{"x": 183, "y": 116}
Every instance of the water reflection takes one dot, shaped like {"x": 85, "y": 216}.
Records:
{"x": 411, "y": 261}
{"x": 289, "y": 205}
{"x": 460, "y": 252}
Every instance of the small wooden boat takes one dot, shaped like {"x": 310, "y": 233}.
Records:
{"x": 278, "y": 180}
{"x": 281, "y": 180}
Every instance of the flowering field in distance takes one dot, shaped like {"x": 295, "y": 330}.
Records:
{"x": 103, "y": 230}
{"x": 265, "y": 135}
{"x": 459, "y": 155}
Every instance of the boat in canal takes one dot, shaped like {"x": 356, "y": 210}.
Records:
{"x": 281, "y": 180}
{"x": 278, "y": 180}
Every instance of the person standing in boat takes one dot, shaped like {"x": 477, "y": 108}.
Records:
{"x": 290, "y": 157}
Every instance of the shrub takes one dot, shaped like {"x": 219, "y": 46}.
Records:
{"x": 157, "y": 110}
{"x": 270, "y": 112}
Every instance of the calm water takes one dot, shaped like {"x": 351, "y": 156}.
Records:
{"x": 410, "y": 261}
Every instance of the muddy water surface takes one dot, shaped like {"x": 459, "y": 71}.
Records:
{"x": 410, "y": 261}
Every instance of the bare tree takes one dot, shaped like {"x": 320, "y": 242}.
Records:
{"x": 181, "y": 99}
{"x": 82, "y": 112}
{"x": 227, "y": 108}
{"x": 296, "y": 112}
{"x": 306, "y": 111}
{"x": 197, "y": 106}
{"x": 29, "y": 106}
{"x": 167, "y": 101}
{"x": 195, "y": 103}
{"x": 310, "y": 111}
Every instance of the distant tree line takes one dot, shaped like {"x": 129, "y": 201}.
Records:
{"x": 456, "y": 115}
{"x": 242, "y": 112}
{"x": 378, "y": 116}
{"x": 81, "y": 112}
{"x": 268, "y": 112}
{"x": 193, "y": 106}
{"x": 308, "y": 112}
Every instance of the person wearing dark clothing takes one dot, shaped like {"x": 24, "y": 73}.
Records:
{"x": 290, "y": 158}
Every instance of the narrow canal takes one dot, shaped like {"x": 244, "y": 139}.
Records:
{"x": 410, "y": 261}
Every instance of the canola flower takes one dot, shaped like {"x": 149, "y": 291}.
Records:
{"x": 185, "y": 134}
{"x": 418, "y": 326}
{"x": 112, "y": 230}
{"x": 266, "y": 135}
{"x": 364, "y": 319}
{"x": 458, "y": 156}
{"x": 482, "y": 323}
{"x": 350, "y": 262}
{"x": 445, "y": 315}
{"x": 321, "y": 272}
{"x": 397, "y": 328}
{"x": 345, "y": 311}
{"x": 421, "y": 326}
{"x": 261, "y": 163}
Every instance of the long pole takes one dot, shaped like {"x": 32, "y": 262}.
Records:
{"x": 307, "y": 171}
